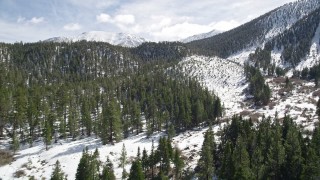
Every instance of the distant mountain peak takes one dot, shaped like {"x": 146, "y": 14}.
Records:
{"x": 120, "y": 39}
{"x": 201, "y": 36}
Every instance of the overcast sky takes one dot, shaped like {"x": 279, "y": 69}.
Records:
{"x": 155, "y": 20}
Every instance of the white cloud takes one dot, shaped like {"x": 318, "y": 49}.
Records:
{"x": 21, "y": 19}
{"x": 180, "y": 31}
{"x": 36, "y": 20}
{"x": 125, "y": 19}
{"x": 103, "y": 18}
{"x": 120, "y": 20}
{"x": 72, "y": 27}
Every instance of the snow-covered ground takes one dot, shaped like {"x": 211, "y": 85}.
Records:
{"x": 224, "y": 77}
{"x": 38, "y": 162}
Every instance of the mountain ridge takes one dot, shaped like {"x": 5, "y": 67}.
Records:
{"x": 118, "y": 39}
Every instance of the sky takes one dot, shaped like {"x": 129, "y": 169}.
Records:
{"x": 155, "y": 20}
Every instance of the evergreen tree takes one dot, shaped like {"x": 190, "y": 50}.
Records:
{"x": 178, "y": 163}
{"x": 107, "y": 172}
{"x": 171, "y": 131}
{"x": 311, "y": 166}
{"x": 57, "y": 173}
{"x": 83, "y": 170}
{"x": 136, "y": 172}
{"x": 206, "y": 163}
{"x": 111, "y": 124}
{"x": 318, "y": 109}
{"x": 144, "y": 161}
{"x": 241, "y": 161}
{"x": 48, "y": 133}
{"x": 123, "y": 161}
{"x": 227, "y": 166}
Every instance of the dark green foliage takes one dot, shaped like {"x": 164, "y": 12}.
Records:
{"x": 107, "y": 172}
{"x": 206, "y": 163}
{"x": 88, "y": 167}
{"x": 57, "y": 173}
{"x": 267, "y": 151}
{"x": 136, "y": 172}
{"x": 262, "y": 58}
{"x": 178, "y": 163}
{"x": 47, "y": 84}
{"x": 257, "y": 87}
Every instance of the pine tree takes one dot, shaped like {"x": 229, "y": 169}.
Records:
{"x": 139, "y": 154}
{"x": 107, "y": 172}
{"x": 144, "y": 161}
{"x": 152, "y": 161}
{"x": 227, "y": 166}
{"x": 241, "y": 161}
{"x": 57, "y": 173}
{"x": 15, "y": 142}
{"x": 48, "y": 133}
{"x": 318, "y": 109}
{"x": 136, "y": 172}
{"x": 171, "y": 131}
{"x": 83, "y": 170}
{"x": 111, "y": 124}
{"x": 311, "y": 166}
{"x": 123, "y": 161}
{"x": 275, "y": 155}
{"x": 293, "y": 160}
{"x": 178, "y": 163}
{"x": 206, "y": 163}
{"x": 135, "y": 115}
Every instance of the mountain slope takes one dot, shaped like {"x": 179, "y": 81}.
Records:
{"x": 224, "y": 77}
{"x": 119, "y": 39}
{"x": 256, "y": 32}
{"x": 200, "y": 36}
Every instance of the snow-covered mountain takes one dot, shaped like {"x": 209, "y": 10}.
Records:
{"x": 256, "y": 32}
{"x": 120, "y": 39}
{"x": 200, "y": 36}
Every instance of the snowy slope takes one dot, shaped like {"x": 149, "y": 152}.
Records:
{"x": 38, "y": 162}
{"x": 227, "y": 80}
{"x": 121, "y": 39}
{"x": 285, "y": 16}
{"x": 222, "y": 76}
{"x": 200, "y": 36}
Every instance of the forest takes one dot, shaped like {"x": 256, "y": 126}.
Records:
{"x": 51, "y": 91}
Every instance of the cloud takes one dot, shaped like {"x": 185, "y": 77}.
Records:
{"x": 180, "y": 31}
{"x": 34, "y": 20}
{"x": 120, "y": 19}
{"x": 72, "y": 27}
{"x": 103, "y": 18}
{"x": 125, "y": 19}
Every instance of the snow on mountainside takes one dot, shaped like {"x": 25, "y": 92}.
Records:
{"x": 120, "y": 39}
{"x": 285, "y": 16}
{"x": 226, "y": 78}
{"x": 38, "y": 163}
{"x": 200, "y": 36}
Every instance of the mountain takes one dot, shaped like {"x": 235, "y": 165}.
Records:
{"x": 200, "y": 36}
{"x": 256, "y": 32}
{"x": 119, "y": 39}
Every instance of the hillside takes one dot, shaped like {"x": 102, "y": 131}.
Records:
{"x": 241, "y": 104}
{"x": 256, "y": 32}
